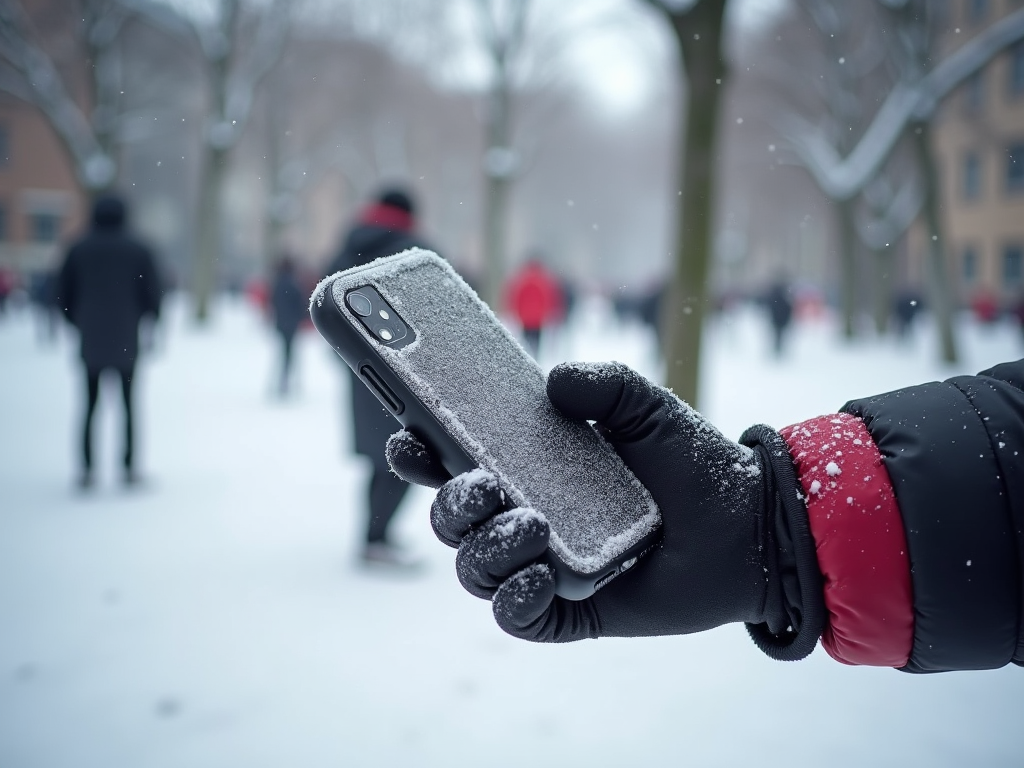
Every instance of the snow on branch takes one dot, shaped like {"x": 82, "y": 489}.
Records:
{"x": 892, "y": 214}
{"x": 47, "y": 91}
{"x": 842, "y": 178}
{"x": 268, "y": 47}
{"x": 250, "y": 60}
{"x": 967, "y": 60}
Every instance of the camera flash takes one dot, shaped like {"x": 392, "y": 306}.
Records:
{"x": 384, "y": 314}
{"x": 385, "y": 334}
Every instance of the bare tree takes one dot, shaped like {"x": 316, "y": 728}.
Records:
{"x": 698, "y": 31}
{"x": 237, "y": 58}
{"x": 908, "y": 111}
{"x": 887, "y": 212}
{"x": 503, "y": 30}
{"x": 374, "y": 119}
{"x": 849, "y": 58}
{"x": 239, "y": 43}
{"x": 86, "y": 124}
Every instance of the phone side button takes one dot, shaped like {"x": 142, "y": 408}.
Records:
{"x": 382, "y": 390}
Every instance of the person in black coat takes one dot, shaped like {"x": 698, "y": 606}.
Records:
{"x": 106, "y": 286}
{"x": 385, "y": 227}
{"x": 290, "y": 306}
{"x": 780, "y": 311}
{"x": 892, "y": 532}
{"x": 906, "y": 306}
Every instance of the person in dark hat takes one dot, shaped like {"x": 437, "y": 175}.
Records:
{"x": 289, "y": 306}
{"x": 106, "y": 286}
{"x": 384, "y": 227}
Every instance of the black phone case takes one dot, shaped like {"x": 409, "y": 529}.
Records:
{"x": 385, "y": 367}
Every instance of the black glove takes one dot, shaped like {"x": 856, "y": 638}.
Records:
{"x": 735, "y": 544}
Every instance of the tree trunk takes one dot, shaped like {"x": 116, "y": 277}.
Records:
{"x": 217, "y": 141}
{"x": 882, "y": 293}
{"x": 210, "y": 230}
{"x": 847, "y": 267}
{"x": 495, "y": 234}
{"x": 939, "y": 298}
{"x": 699, "y": 31}
{"x": 498, "y": 174}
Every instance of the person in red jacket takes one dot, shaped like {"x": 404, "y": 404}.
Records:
{"x": 892, "y": 531}
{"x": 985, "y": 306}
{"x": 534, "y": 296}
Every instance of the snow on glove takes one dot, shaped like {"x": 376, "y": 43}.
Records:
{"x": 735, "y": 544}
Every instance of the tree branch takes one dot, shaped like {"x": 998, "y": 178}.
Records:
{"x": 268, "y": 46}
{"x": 892, "y": 215}
{"x": 844, "y": 177}
{"x": 93, "y": 167}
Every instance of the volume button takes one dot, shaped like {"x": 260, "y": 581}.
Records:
{"x": 382, "y": 390}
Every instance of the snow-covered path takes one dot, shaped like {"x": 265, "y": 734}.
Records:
{"x": 214, "y": 618}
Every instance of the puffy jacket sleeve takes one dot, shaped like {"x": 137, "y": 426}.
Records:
{"x": 916, "y": 505}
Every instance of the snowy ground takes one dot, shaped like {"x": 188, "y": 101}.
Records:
{"x": 215, "y": 618}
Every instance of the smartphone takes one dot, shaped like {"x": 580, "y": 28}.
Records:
{"x": 445, "y": 367}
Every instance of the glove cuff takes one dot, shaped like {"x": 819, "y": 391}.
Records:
{"x": 789, "y": 533}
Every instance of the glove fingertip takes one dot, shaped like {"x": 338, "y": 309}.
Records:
{"x": 462, "y": 502}
{"x": 524, "y": 601}
{"x": 500, "y": 547}
{"x": 412, "y": 461}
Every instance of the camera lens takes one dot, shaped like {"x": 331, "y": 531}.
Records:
{"x": 359, "y": 304}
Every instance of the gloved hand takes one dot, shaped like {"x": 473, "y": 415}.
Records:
{"x": 723, "y": 517}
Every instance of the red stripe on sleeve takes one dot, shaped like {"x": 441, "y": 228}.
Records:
{"x": 860, "y": 541}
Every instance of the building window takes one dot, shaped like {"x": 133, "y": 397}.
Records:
{"x": 977, "y": 10}
{"x": 974, "y": 92}
{"x": 1015, "y": 168}
{"x": 1013, "y": 265}
{"x": 1017, "y": 69}
{"x": 970, "y": 265}
{"x": 972, "y": 176}
{"x": 44, "y": 227}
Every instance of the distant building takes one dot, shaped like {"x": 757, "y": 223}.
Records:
{"x": 979, "y": 141}
{"x": 40, "y": 203}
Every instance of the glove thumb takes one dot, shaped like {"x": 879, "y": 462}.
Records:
{"x": 629, "y": 407}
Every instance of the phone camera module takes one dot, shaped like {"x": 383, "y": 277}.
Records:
{"x": 359, "y": 304}
{"x": 376, "y": 316}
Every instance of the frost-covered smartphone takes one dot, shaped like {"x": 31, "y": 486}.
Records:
{"x": 440, "y": 361}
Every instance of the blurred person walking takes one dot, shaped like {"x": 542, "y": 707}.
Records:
{"x": 906, "y": 307}
{"x": 8, "y": 283}
{"x": 1018, "y": 311}
{"x": 985, "y": 306}
{"x": 289, "y": 304}
{"x": 106, "y": 286}
{"x": 384, "y": 227}
{"x": 780, "y": 311}
{"x": 534, "y": 296}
